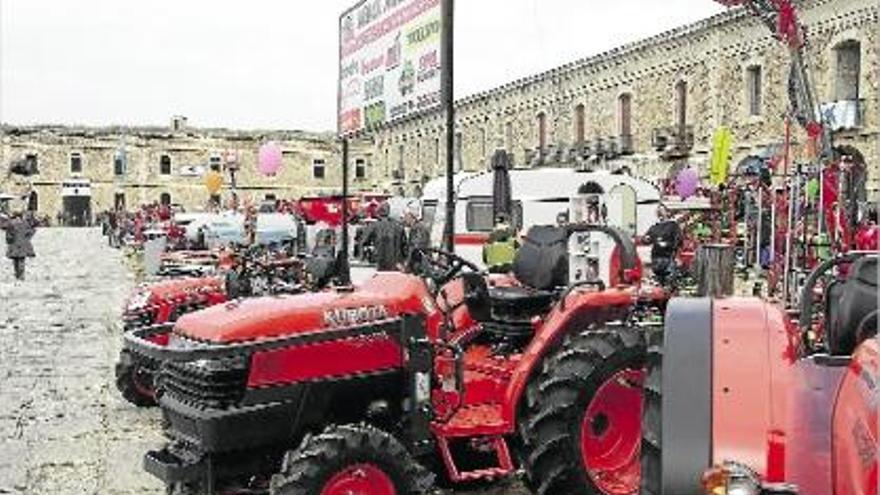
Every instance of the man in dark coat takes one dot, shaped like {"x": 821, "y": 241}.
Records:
{"x": 20, "y": 228}
{"x": 665, "y": 238}
{"x": 419, "y": 233}
{"x": 388, "y": 238}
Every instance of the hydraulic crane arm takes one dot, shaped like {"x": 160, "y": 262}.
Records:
{"x": 780, "y": 17}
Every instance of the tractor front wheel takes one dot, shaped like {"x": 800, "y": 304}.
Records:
{"x": 580, "y": 426}
{"x": 351, "y": 460}
{"x": 134, "y": 379}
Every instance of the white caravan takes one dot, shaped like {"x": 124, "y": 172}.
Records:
{"x": 539, "y": 196}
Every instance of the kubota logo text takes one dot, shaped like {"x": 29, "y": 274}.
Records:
{"x": 346, "y": 317}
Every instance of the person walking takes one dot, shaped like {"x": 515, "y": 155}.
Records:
{"x": 20, "y": 228}
{"x": 388, "y": 238}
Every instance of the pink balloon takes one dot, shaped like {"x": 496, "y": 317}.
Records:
{"x": 686, "y": 183}
{"x": 269, "y": 159}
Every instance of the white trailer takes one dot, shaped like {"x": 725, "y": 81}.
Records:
{"x": 539, "y": 196}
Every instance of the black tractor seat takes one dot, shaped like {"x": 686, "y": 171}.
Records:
{"x": 518, "y": 303}
{"x": 851, "y": 307}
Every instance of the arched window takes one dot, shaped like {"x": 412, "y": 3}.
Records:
{"x": 681, "y": 89}
{"x": 848, "y": 73}
{"x": 624, "y": 114}
{"x": 754, "y": 81}
{"x": 542, "y": 132}
{"x": 579, "y": 125}
{"x": 165, "y": 165}
{"x": 165, "y": 199}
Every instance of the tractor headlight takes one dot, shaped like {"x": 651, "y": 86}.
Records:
{"x": 733, "y": 478}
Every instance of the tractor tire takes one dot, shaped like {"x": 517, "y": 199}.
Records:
{"x": 132, "y": 382}
{"x": 351, "y": 460}
{"x": 579, "y": 425}
{"x": 652, "y": 401}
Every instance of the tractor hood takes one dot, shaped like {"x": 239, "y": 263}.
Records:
{"x": 167, "y": 290}
{"x": 384, "y": 296}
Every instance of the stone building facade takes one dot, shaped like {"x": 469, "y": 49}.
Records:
{"x": 656, "y": 103}
{"x": 637, "y": 99}
{"x": 105, "y": 167}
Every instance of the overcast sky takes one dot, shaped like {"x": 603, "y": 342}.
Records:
{"x": 268, "y": 63}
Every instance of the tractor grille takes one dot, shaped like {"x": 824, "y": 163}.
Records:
{"x": 206, "y": 383}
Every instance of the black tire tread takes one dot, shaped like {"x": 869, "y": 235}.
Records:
{"x": 125, "y": 376}
{"x": 651, "y": 417}
{"x": 306, "y": 469}
{"x": 551, "y": 405}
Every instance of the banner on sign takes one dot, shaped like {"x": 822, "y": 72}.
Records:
{"x": 389, "y": 65}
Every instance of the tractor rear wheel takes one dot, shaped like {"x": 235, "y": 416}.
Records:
{"x": 351, "y": 460}
{"x": 580, "y": 427}
{"x": 651, "y": 417}
{"x": 134, "y": 379}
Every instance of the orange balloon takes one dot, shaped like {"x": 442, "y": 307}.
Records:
{"x": 213, "y": 182}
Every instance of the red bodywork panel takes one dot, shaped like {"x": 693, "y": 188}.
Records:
{"x": 752, "y": 357}
{"x": 810, "y": 421}
{"x": 394, "y": 294}
{"x": 325, "y": 360}
{"x": 180, "y": 287}
{"x": 166, "y": 296}
{"x": 854, "y": 436}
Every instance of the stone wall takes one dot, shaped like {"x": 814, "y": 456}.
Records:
{"x": 191, "y": 153}
{"x": 712, "y": 57}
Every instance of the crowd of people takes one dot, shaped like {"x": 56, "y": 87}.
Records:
{"x": 122, "y": 227}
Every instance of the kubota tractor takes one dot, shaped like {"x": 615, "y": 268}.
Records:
{"x": 742, "y": 397}
{"x": 152, "y": 306}
{"x": 350, "y": 391}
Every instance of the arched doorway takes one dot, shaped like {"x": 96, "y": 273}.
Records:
{"x": 165, "y": 199}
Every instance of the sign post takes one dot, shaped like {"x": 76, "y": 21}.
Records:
{"x": 449, "y": 105}
{"x": 342, "y": 257}
{"x": 395, "y": 62}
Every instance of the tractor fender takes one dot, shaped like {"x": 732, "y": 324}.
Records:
{"x": 580, "y": 310}
{"x": 855, "y": 436}
{"x": 748, "y": 419}
{"x": 686, "y": 395}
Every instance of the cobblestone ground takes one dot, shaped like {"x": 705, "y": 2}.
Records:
{"x": 63, "y": 427}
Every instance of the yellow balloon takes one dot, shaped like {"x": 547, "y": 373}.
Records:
{"x": 213, "y": 182}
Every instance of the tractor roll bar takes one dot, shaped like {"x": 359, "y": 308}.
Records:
{"x": 806, "y": 312}
{"x": 628, "y": 253}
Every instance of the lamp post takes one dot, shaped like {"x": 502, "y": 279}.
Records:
{"x": 232, "y": 168}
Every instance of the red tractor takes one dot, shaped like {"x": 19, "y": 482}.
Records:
{"x": 151, "y": 306}
{"x": 742, "y": 397}
{"x": 352, "y": 391}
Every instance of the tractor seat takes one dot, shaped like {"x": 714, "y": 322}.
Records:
{"x": 504, "y": 305}
{"x": 518, "y": 303}
{"x": 851, "y": 307}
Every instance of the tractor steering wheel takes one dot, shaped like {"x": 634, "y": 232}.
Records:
{"x": 437, "y": 265}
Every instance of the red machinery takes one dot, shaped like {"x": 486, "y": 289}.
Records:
{"x": 151, "y": 306}
{"x": 340, "y": 392}
{"x": 754, "y": 402}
